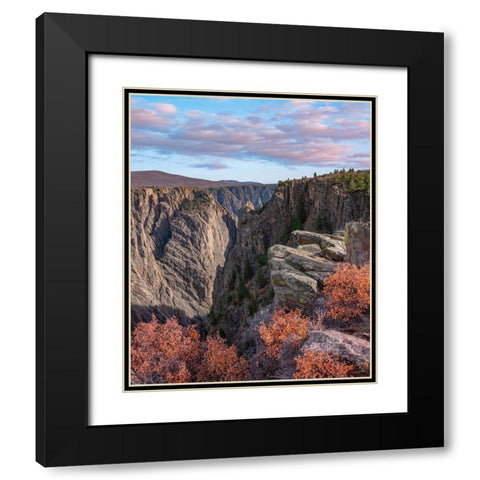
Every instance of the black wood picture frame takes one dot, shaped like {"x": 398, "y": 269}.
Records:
{"x": 64, "y": 42}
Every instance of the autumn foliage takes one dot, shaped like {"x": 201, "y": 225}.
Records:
{"x": 314, "y": 364}
{"x": 164, "y": 353}
{"x": 278, "y": 339}
{"x": 284, "y": 328}
{"x": 348, "y": 291}
{"x": 171, "y": 353}
{"x": 221, "y": 363}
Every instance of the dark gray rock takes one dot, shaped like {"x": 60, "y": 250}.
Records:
{"x": 357, "y": 242}
{"x": 180, "y": 237}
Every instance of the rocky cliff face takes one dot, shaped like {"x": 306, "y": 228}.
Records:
{"x": 357, "y": 241}
{"x": 234, "y": 198}
{"x": 180, "y": 239}
{"x": 321, "y": 205}
{"x": 316, "y": 205}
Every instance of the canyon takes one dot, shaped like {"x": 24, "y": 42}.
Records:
{"x": 216, "y": 254}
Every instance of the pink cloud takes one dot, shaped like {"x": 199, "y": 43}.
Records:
{"x": 294, "y": 133}
{"x": 149, "y": 119}
{"x": 165, "y": 108}
{"x": 313, "y": 154}
{"x": 356, "y": 109}
{"x": 161, "y": 116}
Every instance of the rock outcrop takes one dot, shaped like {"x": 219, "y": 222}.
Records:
{"x": 298, "y": 270}
{"x": 297, "y": 274}
{"x": 353, "y": 349}
{"x": 180, "y": 239}
{"x": 332, "y": 247}
{"x": 357, "y": 242}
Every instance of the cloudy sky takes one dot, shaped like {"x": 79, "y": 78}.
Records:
{"x": 247, "y": 139}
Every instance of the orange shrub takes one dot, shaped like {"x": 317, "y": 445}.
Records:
{"x": 348, "y": 291}
{"x": 314, "y": 364}
{"x": 221, "y": 363}
{"x": 284, "y": 328}
{"x": 164, "y": 353}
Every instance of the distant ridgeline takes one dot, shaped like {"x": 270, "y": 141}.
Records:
{"x": 230, "y": 194}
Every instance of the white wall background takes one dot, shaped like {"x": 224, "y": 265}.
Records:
{"x": 462, "y": 73}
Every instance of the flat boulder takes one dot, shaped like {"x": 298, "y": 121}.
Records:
{"x": 353, "y": 349}
{"x": 332, "y": 247}
{"x": 293, "y": 288}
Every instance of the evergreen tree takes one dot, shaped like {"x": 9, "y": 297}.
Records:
{"x": 247, "y": 270}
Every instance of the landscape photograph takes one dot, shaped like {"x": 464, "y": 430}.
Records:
{"x": 250, "y": 227}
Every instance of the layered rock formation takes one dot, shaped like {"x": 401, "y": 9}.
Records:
{"x": 180, "y": 239}
{"x": 230, "y": 194}
{"x": 298, "y": 271}
{"x": 331, "y": 247}
{"x": 234, "y": 198}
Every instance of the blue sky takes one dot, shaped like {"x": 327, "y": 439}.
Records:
{"x": 247, "y": 139}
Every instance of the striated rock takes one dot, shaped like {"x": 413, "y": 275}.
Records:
{"x": 332, "y": 247}
{"x": 180, "y": 238}
{"x": 357, "y": 242}
{"x": 351, "y": 348}
{"x": 293, "y": 288}
{"x": 312, "y": 248}
{"x": 297, "y": 274}
{"x": 234, "y": 198}
{"x": 230, "y": 194}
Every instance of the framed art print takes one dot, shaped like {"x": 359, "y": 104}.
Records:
{"x": 230, "y": 223}
{"x": 239, "y": 282}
